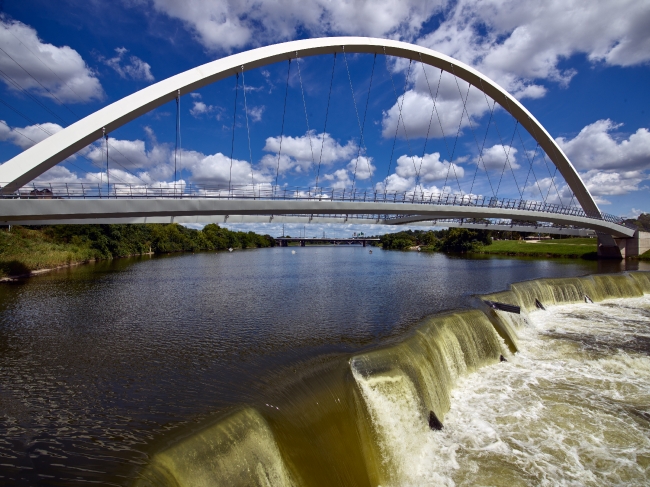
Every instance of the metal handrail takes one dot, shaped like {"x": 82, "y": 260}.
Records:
{"x": 271, "y": 192}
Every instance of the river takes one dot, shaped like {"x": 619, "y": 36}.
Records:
{"x": 110, "y": 373}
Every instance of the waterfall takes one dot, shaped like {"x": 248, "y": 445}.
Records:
{"x": 364, "y": 420}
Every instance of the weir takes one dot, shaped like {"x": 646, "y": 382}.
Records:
{"x": 363, "y": 420}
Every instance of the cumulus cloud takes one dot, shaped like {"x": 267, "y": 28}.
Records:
{"x": 339, "y": 179}
{"x": 417, "y": 107}
{"x": 255, "y": 113}
{"x": 499, "y": 157}
{"x": 596, "y": 147}
{"x": 362, "y": 167}
{"x": 25, "y": 137}
{"x": 199, "y": 108}
{"x": 228, "y": 25}
{"x": 135, "y": 68}
{"x": 430, "y": 168}
{"x": 517, "y": 44}
{"x": 61, "y": 70}
{"x": 300, "y": 153}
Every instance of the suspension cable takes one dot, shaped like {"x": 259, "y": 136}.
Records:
{"x": 399, "y": 118}
{"x": 176, "y": 146}
{"x": 48, "y": 133}
{"x": 433, "y": 110}
{"x": 507, "y": 160}
{"x": 487, "y": 131}
{"x": 304, "y": 104}
{"x": 509, "y": 109}
{"x": 108, "y": 178}
{"x": 361, "y": 127}
{"x": 60, "y": 119}
{"x": 327, "y": 111}
{"x": 547, "y": 168}
{"x": 35, "y": 142}
{"x": 471, "y": 127}
{"x": 234, "y": 119}
{"x": 530, "y": 162}
{"x": 451, "y": 160}
{"x": 284, "y": 111}
{"x": 248, "y": 131}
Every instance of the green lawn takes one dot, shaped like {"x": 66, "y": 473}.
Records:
{"x": 566, "y": 247}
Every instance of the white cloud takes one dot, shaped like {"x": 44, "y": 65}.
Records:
{"x": 297, "y": 152}
{"x": 59, "y": 69}
{"x": 516, "y": 42}
{"x": 255, "y": 113}
{"x": 612, "y": 183}
{"x": 430, "y": 168}
{"x": 599, "y": 183}
{"x": 499, "y": 157}
{"x": 225, "y": 25}
{"x": 199, "y": 108}
{"x": 136, "y": 68}
{"x": 595, "y": 148}
{"x": 339, "y": 179}
{"x": 417, "y": 106}
{"x": 362, "y": 166}
{"x": 25, "y": 137}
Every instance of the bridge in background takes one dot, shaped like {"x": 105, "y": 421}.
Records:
{"x": 20, "y": 204}
{"x": 285, "y": 241}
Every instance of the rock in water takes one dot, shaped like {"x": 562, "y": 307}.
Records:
{"x": 502, "y": 358}
{"x": 434, "y": 422}
{"x": 539, "y": 305}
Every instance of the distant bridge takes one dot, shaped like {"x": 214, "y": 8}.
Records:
{"x": 284, "y": 241}
{"x": 131, "y": 203}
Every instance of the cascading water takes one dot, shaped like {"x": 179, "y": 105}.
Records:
{"x": 569, "y": 406}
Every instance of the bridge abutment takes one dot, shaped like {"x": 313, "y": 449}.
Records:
{"x": 610, "y": 247}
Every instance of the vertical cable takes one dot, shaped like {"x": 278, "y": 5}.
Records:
{"x": 327, "y": 111}
{"x": 234, "y": 119}
{"x": 284, "y": 111}
{"x": 304, "y": 103}
{"x": 108, "y": 180}
{"x": 248, "y": 130}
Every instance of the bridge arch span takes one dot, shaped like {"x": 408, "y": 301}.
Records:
{"x": 34, "y": 161}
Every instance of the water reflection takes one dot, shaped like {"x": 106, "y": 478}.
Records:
{"x": 100, "y": 362}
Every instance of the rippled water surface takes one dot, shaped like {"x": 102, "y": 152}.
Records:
{"x": 102, "y": 364}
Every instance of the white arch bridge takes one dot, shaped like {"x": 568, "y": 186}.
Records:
{"x": 21, "y": 203}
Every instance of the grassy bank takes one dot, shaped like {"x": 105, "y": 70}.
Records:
{"x": 23, "y": 250}
{"x": 566, "y": 247}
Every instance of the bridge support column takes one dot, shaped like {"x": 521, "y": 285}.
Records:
{"x": 302, "y": 243}
{"x": 363, "y": 242}
{"x": 621, "y": 248}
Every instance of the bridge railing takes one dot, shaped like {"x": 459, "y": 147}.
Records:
{"x": 182, "y": 190}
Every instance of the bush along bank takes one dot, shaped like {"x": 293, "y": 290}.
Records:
{"x": 23, "y": 250}
{"x": 451, "y": 240}
{"x": 481, "y": 241}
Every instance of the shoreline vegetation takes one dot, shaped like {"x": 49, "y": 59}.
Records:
{"x": 462, "y": 240}
{"x": 31, "y": 251}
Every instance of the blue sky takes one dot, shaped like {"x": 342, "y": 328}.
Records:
{"x": 581, "y": 67}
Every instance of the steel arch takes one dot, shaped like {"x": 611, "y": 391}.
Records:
{"x": 34, "y": 161}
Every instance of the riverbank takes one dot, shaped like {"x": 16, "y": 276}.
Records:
{"x": 30, "y": 251}
{"x": 582, "y": 248}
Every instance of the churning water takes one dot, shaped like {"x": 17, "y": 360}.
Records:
{"x": 322, "y": 368}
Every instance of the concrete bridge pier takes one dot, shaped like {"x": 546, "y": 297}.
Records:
{"x": 302, "y": 243}
{"x": 610, "y": 247}
{"x": 363, "y": 243}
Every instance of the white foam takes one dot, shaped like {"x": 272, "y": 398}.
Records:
{"x": 565, "y": 410}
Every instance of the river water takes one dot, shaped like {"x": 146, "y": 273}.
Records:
{"x": 261, "y": 367}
